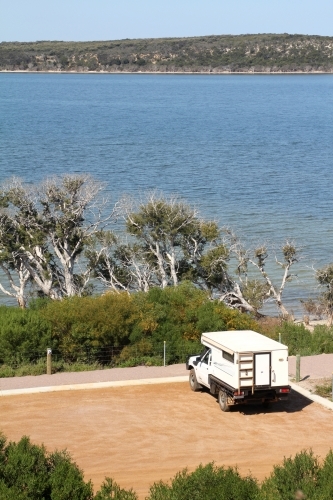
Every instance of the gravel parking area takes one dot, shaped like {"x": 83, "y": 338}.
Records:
{"x": 144, "y": 433}
{"x": 139, "y": 434}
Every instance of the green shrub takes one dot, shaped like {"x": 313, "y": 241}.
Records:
{"x": 325, "y": 479}
{"x": 110, "y": 490}
{"x": 24, "y": 335}
{"x": 322, "y": 340}
{"x": 80, "y": 322}
{"x": 296, "y": 337}
{"x": 29, "y": 472}
{"x": 179, "y": 315}
{"x": 206, "y": 483}
{"x": 295, "y": 474}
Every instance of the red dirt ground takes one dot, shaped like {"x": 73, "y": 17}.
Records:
{"x": 142, "y": 434}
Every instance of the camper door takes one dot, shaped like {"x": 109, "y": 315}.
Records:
{"x": 262, "y": 369}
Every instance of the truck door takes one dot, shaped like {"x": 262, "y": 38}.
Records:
{"x": 203, "y": 368}
{"x": 262, "y": 368}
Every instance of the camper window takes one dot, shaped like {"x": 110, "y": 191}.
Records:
{"x": 229, "y": 357}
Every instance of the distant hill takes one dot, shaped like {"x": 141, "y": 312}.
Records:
{"x": 209, "y": 54}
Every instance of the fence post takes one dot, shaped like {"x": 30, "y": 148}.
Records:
{"x": 164, "y": 352}
{"x": 49, "y": 361}
{"x": 298, "y": 367}
{"x": 280, "y": 338}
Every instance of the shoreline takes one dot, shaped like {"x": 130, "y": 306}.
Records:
{"x": 211, "y": 73}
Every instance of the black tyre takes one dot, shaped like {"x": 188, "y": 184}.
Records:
{"x": 223, "y": 400}
{"x": 193, "y": 381}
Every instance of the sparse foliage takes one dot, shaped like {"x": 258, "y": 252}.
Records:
{"x": 324, "y": 277}
{"x": 46, "y": 229}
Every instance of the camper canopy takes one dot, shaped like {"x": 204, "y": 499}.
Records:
{"x": 241, "y": 341}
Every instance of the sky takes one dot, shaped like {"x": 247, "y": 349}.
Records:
{"x": 85, "y": 20}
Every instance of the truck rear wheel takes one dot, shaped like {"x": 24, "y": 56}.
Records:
{"x": 193, "y": 381}
{"x": 223, "y": 400}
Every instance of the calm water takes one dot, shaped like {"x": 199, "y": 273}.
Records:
{"x": 254, "y": 152}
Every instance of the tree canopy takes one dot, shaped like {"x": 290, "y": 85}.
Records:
{"x": 56, "y": 241}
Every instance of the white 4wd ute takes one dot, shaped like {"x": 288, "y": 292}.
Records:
{"x": 240, "y": 366}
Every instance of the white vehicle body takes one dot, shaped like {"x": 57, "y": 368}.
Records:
{"x": 241, "y": 366}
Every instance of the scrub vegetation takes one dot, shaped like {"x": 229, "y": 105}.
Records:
{"x": 224, "y": 53}
{"x": 29, "y": 471}
{"x": 118, "y": 329}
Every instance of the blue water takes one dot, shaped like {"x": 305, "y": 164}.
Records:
{"x": 254, "y": 152}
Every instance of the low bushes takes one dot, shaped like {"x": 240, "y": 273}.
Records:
{"x": 29, "y": 472}
{"x": 301, "y": 477}
{"x": 118, "y": 329}
{"x": 115, "y": 329}
{"x": 24, "y": 335}
{"x": 207, "y": 482}
{"x": 300, "y": 340}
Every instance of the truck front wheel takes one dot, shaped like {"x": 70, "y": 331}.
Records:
{"x": 193, "y": 381}
{"x": 223, "y": 400}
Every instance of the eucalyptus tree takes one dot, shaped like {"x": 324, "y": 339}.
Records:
{"x": 53, "y": 223}
{"x": 160, "y": 225}
{"x": 324, "y": 276}
{"x": 291, "y": 255}
{"x": 15, "y": 273}
{"x": 118, "y": 266}
{"x": 260, "y": 288}
{"x": 168, "y": 242}
{"x": 173, "y": 243}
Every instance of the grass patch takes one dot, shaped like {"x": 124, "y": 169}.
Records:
{"x": 39, "y": 368}
{"x": 324, "y": 390}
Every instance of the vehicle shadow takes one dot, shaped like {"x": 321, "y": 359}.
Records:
{"x": 295, "y": 403}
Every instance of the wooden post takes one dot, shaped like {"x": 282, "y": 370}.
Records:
{"x": 280, "y": 338}
{"x": 164, "y": 353}
{"x": 298, "y": 367}
{"x": 49, "y": 361}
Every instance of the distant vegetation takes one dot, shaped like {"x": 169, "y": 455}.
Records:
{"x": 224, "y": 53}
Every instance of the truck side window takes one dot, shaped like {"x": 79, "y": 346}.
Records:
{"x": 206, "y": 357}
{"x": 229, "y": 357}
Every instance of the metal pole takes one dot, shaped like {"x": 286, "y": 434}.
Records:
{"x": 164, "y": 355}
{"x": 298, "y": 367}
{"x": 49, "y": 361}
{"x": 280, "y": 338}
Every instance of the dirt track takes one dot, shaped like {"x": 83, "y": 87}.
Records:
{"x": 141, "y": 434}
